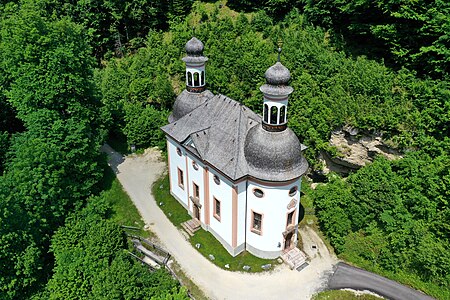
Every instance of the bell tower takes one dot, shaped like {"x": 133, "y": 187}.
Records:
{"x": 276, "y": 93}
{"x": 195, "y": 66}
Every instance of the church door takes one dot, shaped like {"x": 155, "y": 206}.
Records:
{"x": 287, "y": 241}
{"x": 196, "y": 212}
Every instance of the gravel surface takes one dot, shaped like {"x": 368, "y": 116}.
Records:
{"x": 138, "y": 172}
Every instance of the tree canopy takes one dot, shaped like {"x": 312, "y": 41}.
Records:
{"x": 73, "y": 71}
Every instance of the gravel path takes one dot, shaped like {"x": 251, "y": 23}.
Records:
{"x": 138, "y": 172}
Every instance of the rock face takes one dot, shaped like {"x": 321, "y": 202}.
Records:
{"x": 355, "y": 150}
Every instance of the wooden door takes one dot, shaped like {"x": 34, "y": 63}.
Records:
{"x": 288, "y": 241}
{"x": 196, "y": 212}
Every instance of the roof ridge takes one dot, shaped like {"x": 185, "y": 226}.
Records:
{"x": 238, "y": 144}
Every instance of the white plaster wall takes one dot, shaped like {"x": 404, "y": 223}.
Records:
{"x": 242, "y": 200}
{"x": 176, "y": 162}
{"x": 196, "y": 176}
{"x": 273, "y": 207}
{"x": 223, "y": 193}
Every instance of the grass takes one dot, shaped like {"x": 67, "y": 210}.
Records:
{"x": 194, "y": 290}
{"x": 177, "y": 214}
{"x": 343, "y": 295}
{"x": 210, "y": 245}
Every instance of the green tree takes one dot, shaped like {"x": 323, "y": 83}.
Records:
{"x": 413, "y": 34}
{"x": 143, "y": 125}
{"x": 91, "y": 262}
{"x": 53, "y": 166}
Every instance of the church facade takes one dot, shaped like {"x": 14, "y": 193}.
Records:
{"x": 238, "y": 173}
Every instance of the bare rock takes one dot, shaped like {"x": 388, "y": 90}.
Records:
{"x": 355, "y": 150}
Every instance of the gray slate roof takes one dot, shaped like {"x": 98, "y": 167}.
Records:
{"x": 194, "y": 47}
{"x": 277, "y": 78}
{"x": 218, "y": 130}
{"x": 274, "y": 155}
{"x": 194, "y": 50}
{"x": 277, "y": 74}
{"x": 187, "y": 102}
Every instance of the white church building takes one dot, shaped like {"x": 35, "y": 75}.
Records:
{"x": 236, "y": 172}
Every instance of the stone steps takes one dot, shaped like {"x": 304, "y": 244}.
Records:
{"x": 191, "y": 226}
{"x": 294, "y": 258}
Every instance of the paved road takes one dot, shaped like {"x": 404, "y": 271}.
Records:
{"x": 137, "y": 173}
{"x": 347, "y": 276}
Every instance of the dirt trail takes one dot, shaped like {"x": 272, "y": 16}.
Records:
{"x": 138, "y": 172}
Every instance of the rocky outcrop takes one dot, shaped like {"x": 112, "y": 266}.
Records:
{"x": 355, "y": 149}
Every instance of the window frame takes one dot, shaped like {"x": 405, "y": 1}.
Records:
{"x": 273, "y": 115}
{"x": 196, "y": 79}
{"x": 195, "y": 190}
{"x": 259, "y": 230}
{"x": 216, "y": 214}
{"x": 292, "y": 215}
{"x": 266, "y": 113}
{"x": 255, "y": 189}
{"x": 216, "y": 179}
{"x": 180, "y": 178}
{"x": 293, "y": 193}
{"x": 282, "y": 115}
{"x": 189, "y": 78}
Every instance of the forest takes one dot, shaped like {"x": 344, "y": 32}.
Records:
{"x": 75, "y": 74}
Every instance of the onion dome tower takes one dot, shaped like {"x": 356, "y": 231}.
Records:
{"x": 272, "y": 150}
{"x": 195, "y": 66}
{"x": 195, "y": 93}
{"x": 276, "y": 92}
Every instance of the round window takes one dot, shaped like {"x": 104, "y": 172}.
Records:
{"x": 216, "y": 179}
{"x": 179, "y": 151}
{"x": 194, "y": 165}
{"x": 258, "y": 193}
{"x": 293, "y": 191}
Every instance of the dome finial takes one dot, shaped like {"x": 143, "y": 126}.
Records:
{"x": 279, "y": 54}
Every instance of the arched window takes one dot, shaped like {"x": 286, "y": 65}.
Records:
{"x": 282, "y": 114}
{"x": 189, "y": 78}
{"x": 196, "y": 79}
{"x": 203, "y": 78}
{"x": 266, "y": 113}
{"x": 273, "y": 115}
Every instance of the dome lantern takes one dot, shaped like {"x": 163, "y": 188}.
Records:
{"x": 276, "y": 93}
{"x": 195, "y": 66}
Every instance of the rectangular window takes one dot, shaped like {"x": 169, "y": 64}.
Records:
{"x": 216, "y": 211}
{"x": 196, "y": 191}
{"x": 180, "y": 179}
{"x": 257, "y": 223}
{"x": 290, "y": 218}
